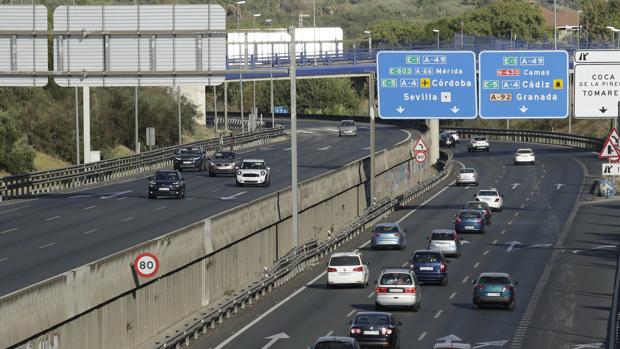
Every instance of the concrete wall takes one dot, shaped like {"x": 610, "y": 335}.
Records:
{"x": 196, "y": 95}
{"x": 99, "y": 306}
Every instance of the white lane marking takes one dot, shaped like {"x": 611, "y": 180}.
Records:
{"x": 329, "y": 333}
{"x": 89, "y": 207}
{"x": 502, "y": 232}
{"x": 123, "y": 198}
{"x": 476, "y": 265}
{"x": 83, "y": 196}
{"x": 465, "y": 279}
{"x": 366, "y": 148}
{"x": 127, "y": 219}
{"x": 522, "y": 205}
{"x": 215, "y": 190}
{"x": 509, "y": 222}
{"x": 14, "y": 209}
{"x": 52, "y": 218}
{"x": 406, "y": 139}
{"x": 8, "y": 231}
{"x": 48, "y": 245}
{"x": 485, "y": 253}
{"x": 115, "y": 194}
{"x": 232, "y": 196}
{"x": 351, "y": 313}
{"x": 452, "y": 295}
{"x": 371, "y": 294}
{"x": 287, "y": 149}
{"x": 467, "y": 187}
{"x": 527, "y": 199}
{"x": 494, "y": 242}
{"x": 3, "y": 259}
{"x": 247, "y": 151}
{"x": 424, "y": 203}
{"x": 159, "y": 208}
{"x": 422, "y": 336}
{"x": 438, "y": 313}
{"x": 516, "y": 214}
{"x": 90, "y": 231}
{"x": 324, "y": 148}
{"x": 267, "y": 312}
{"x": 404, "y": 264}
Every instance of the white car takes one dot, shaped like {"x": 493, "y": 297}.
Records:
{"x": 397, "y": 287}
{"x": 253, "y": 172}
{"x": 454, "y": 135}
{"x": 492, "y": 197}
{"x": 525, "y": 156}
{"x": 347, "y": 268}
{"x": 467, "y": 176}
{"x": 478, "y": 143}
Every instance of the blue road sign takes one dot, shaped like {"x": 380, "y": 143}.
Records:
{"x": 426, "y": 84}
{"x": 523, "y": 84}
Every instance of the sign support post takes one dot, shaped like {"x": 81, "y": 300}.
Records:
{"x": 371, "y": 113}
{"x": 294, "y": 187}
{"x": 86, "y": 122}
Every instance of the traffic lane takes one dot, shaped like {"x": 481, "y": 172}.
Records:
{"x": 575, "y": 306}
{"x": 354, "y": 300}
{"x": 101, "y": 224}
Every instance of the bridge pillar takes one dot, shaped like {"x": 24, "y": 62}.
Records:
{"x": 197, "y": 95}
{"x": 86, "y": 123}
{"x": 433, "y": 125}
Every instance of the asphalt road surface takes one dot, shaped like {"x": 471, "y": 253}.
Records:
{"x": 54, "y": 233}
{"x": 566, "y": 278}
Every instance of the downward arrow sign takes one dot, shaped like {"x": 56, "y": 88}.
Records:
{"x": 400, "y": 109}
{"x": 603, "y": 110}
{"x": 455, "y": 109}
{"x": 523, "y": 109}
{"x": 273, "y": 339}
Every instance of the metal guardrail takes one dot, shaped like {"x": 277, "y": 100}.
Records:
{"x": 293, "y": 263}
{"x": 563, "y": 139}
{"x": 25, "y": 185}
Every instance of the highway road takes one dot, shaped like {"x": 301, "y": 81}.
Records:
{"x": 54, "y": 233}
{"x": 563, "y": 299}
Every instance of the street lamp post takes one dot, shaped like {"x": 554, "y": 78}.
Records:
{"x": 614, "y": 30}
{"x": 273, "y": 123}
{"x": 367, "y": 32}
{"x": 239, "y": 3}
{"x": 314, "y": 30}
{"x": 254, "y": 112}
{"x": 578, "y": 28}
{"x": 555, "y": 24}
{"x": 437, "y": 31}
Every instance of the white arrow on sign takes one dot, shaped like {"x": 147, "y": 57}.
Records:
{"x": 512, "y": 244}
{"x": 589, "y": 345}
{"x": 523, "y": 109}
{"x": 232, "y": 196}
{"x": 455, "y": 109}
{"x": 515, "y": 185}
{"x": 273, "y": 339}
{"x": 400, "y": 109}
{"x": 559, "y": 186}
{"x": 491, "y": 344}
{"x": 449, "y": 339}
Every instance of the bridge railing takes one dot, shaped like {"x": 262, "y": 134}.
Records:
{"x": 29, "y": 184}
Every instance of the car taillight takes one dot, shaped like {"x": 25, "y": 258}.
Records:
{"x": 374, "y": 235}
{"x": 386, "y": 331}
{"x": 355, "y": 331}
{"x": 458, "y": 221}
{"x": 412, "y": 266}
{"x": 331, "y": 270}
{"x": 507, "y": 288}
{"x": 442, "y": 267}
{"x": 381, "y": 290}
{"x": 479, "y": 220}
{"x": 358, "y": 269}
{"x": 480, "y": 287}
{"x": 398, "y": 234}
{"x": 410, "y": 290}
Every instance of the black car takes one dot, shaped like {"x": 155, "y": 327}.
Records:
{"x": 376, "y": 329}
{"x": 446, "y": 140}
{"x": 166, "y": 183}
{"x": 223, "y": 162}
{"x": 190, "y": 158}
{"x": 336, "y": 342}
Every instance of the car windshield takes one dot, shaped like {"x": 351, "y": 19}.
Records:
{"x": 248, "y": 165}
{"x": 381, "y": 229}
{"x": 396, "y": 279}
{"x": 189, "y": 151}
{"x": 166, "y": 176}
{"x": 487, "y": 193}
{"x": 426, "y": 257}
{"x": 495, "y": 280}
{"x": 372, "y": 319}
{"x": 333, "y": 345}
{"x": 341, "y": 261}
{"x": 469, "y": 214}
{"x": 347, "y": 124}
{"x": 524, "y": 151}
{"x": 442, "y": 236}
{"x": 467, "y": 170}
{"x": 480, "y": 139}
{"x": 224, "y": 156}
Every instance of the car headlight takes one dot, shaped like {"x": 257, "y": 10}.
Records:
{"x": 239, "y": 173}
{"x": 152, "y": 183}
{"x": 175, "y": 184}
{"x": 262, "y": 173}
{"x": 196, "y": 159}
{"x": 177, "y": 159}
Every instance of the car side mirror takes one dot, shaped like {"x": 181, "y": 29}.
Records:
{"x": 502, "y": 195}
{"x": 182, "y": 178}
{"x": 236, "y": 168}
{"x": 516, "y": 283}
{"x": 473, "y": 282}
{"x": 268, "y": 168}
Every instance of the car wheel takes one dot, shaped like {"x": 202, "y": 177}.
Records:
{"x": 179, "y": 196}
{"x": 151, "y": 196}
{"x": 511, "y": 306}
{"x": 378, "y": 307}
{"x": 363, "y": 285}
{"x": 211, "y": 174}
{"x": 415, "y": 307}
{"x": 183, "y": 194}
{"x": 475, "y": 306}
{"x": 238, "y": 184}
{"x": 339, "y": 135}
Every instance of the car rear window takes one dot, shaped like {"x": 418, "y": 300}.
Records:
{"x": 524, "y": 151}
{"x": 253, "y": 165}
{"x": 333, "y": 345}
{"x": 341, "y": 261}
{"x": 166, "y": 176}
{"x": 386, "y": 229}
{"x": 347, "y": 124}
{"x": 426, "y": 257}
{"x": 396, "y": 279}
{"x": 224, "y": 156}
{"x": 480, "y": 139}
{"x": 469, "y": 214}
{"x": 372, "y": 319}
{"x": 186, "y": 151}
{"x": 442, "y": 236}
{"x": 467, "y": 170}
{"x": 499, "y": 280}
{"x": 487, "y": 193}
{"x": 476, "y": 205}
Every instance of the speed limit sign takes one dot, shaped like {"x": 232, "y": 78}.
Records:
{"x": 420, "y": 156}
{"x": 146, "y": 265}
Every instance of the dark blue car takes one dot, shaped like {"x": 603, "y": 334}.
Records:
{"x": 469, "y": 221}
{"x": 430, "y": 266}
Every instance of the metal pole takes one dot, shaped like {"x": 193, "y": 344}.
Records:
{"x": 508, "y": 124}
{"x": 136, "y": 125}
{"x": 555, "y": 24}
{"x": 215, "y": 107}
{"x": 254, "y": 81}
{"x": 226, "y": 106}
{"x": 179, "y": 113}
{"x": 273, "y": 117}
{"x": 294, "y": 188}
{"x": 371, "y": 113}
{"x": 245, "y": 66}
{"x": 77, "y": 127}
{"x": 618, "y": 119}
{"x": 86, "y": 122}
{"x": 314, "y": 30}
{"x": 437, "y": 40}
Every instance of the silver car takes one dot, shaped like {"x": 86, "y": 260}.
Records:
{"x": 445, "y": 241}
{"x": 347, "y": 128}
{"x": 223, "y": 162}
{"x": 467, "y": 176}
{"x": 398, "y": 287}
{"x": 390, "y": 235}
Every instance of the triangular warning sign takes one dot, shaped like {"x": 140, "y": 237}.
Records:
{"x": 613, "y": 137}
{"x": 420, "y": 146}
{"x": 609, "y": 150}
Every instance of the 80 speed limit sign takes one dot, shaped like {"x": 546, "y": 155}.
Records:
{"x": 146, "y": 265}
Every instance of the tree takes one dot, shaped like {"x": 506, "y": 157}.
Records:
{"x": 597, "y": 15}
{"x": 15, "y": 155}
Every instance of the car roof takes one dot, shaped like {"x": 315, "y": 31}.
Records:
{"x": 494, "y": 274}
{"x": 468, "y": 210}
{"x": 336, "y": 339}
{"x": 530, "y": 149}
{"x": 386, "y": 224}
{"x": 476, "y": 202}
{"x": 345, "y": 254}
{"x": 348, "y": 120}
{"x": 373, "y": 313}
{"x": 427, "y": 251}
{"x": 443, "y": 231}
{"x": 467, "y": 168}
{"x": 253, "y": 160}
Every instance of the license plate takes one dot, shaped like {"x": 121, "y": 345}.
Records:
{"x": 187, "y": 162}
{"x": 343, "y": 274}
{"x": 426, "y": 268}
{"x": 396, "y": 290}
{"x": 372, "y": 332}
{"x": 164, "y": 189}
{"x": 493, "y": 294}
{"x": 469, "y": 227}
